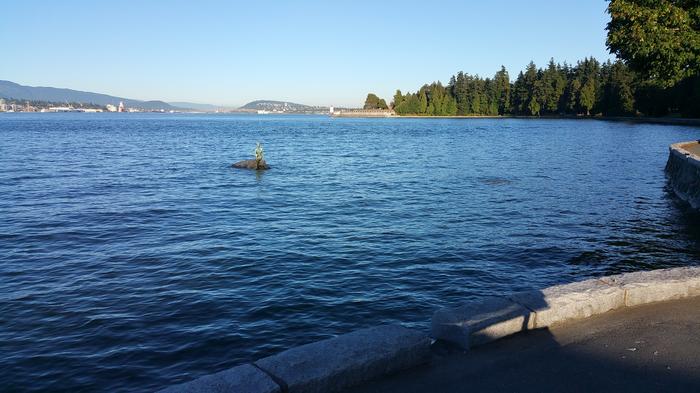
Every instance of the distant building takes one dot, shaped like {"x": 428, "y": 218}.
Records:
{"x": 121, "y": 107}
{"x": 61, "y": 109}
{"x": 3, "y": 105}
{"x": 330, "y": 110}
{"x": 111, "y": 108}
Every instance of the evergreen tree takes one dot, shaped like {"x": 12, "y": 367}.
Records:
{"x": 534, "y": 107}
{"x": 519, "y": 95}
{"x": 398, "y": 99}
{"x": 422, "y": 102}
{"x": 450, "y": 106}
{"x": 409, "y": 105}
{"x": 491, "y": 98}
{"x": 574, "y": 89}
{"x": 460, "y": 91}
{"x": 588, "y": 88}
{"x": 502, "y": 93}
{"x": 587, "y": 96}
{"x": 475, "y": 93}
{"x": 374, "y": 102}
{"x": 531, "y": 105}
{"x": 552, "y": 87}
{"x": 588, "y": 72}
{"x": 618, "y": 91}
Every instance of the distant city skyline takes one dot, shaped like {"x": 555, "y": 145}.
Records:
{"x": 313, "y": 53}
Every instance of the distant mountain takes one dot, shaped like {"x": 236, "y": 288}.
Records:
{"x": 19, "y": 92}
{"x": 196, "y": 106}
{"x": 281, "y": 106}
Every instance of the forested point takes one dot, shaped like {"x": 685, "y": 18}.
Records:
{"x": 374, "y": 102}
{"x": 657, "y": 73}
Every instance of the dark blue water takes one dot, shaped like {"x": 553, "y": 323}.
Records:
{"x": 133, "y": 257}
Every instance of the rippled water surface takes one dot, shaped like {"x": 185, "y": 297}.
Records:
{"x": 132, "y": 256}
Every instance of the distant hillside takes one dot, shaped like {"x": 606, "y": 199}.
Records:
{"x": 13, "y": 90}
{"x": 196, "y": 106}
{"x": 281, "y": 106}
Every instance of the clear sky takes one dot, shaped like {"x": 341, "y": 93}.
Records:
{"x": 310, "y": 52}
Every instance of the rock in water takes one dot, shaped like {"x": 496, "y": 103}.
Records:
{"x": 251, "y": 164}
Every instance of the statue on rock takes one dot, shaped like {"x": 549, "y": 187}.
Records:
{"x": 259, "y": 154}
{"x": 258, "y": 163}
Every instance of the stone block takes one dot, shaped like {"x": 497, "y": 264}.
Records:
{"x": 334, "y": 364}
{"x": 657, "y": 285}
{"x": 241, "y": 379}
{"x": 481, "y": 321}
{"x": 566, "y": 302}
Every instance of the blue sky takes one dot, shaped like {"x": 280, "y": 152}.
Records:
{"x": 313, "y": 52}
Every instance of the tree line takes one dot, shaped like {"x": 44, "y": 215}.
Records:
{"x": 47, "y": 104}
{"x": 586, "y": 88}
{"x": 657, "y": 44}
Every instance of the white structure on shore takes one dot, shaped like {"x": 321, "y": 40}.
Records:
{"x": 121, "y": 107}
{"x": 61, "y": 109}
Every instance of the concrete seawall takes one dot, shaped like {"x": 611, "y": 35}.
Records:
{"x": 353, "y": 358}
{"x": 683, "y": 170}
{"x": 364, "y": 113}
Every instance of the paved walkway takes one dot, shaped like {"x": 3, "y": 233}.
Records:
{"x": 652, "y": 348}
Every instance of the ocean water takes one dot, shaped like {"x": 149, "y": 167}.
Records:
{"x": 132, "y": 256}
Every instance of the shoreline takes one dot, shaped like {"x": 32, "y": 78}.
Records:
{"x": 683, "y": 171}
{"x": 641, "y": 120}
{"x": 364, "y": 355}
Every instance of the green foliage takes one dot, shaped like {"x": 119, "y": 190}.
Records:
{"x": 374, "y": 102}
{"x": 553, "y": 83}
{"x": 534, "y": 108}
{"x": 618, "y": 96}
{"x": 583, "y": 89}
{"x": 519, "y": 95}
{"x": 450, "y": 106}
{"x": 502, "y": 93}
{"x": 660, "y": 39}
{"x": 422, "y": 102}
{"x": 40, "y": 104}
{"x": 476, "y": 96}
{"x": 398, "y": 99}
{"x": 586, "y": 89}
{"x": 587, "y": 96}
{"x": 533, "y": 89}
{"x": 573, "y": 91}
{"x": 430, "y": 100}
{"x": 658, "y": 42}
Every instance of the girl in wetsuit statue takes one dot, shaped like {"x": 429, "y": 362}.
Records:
{"x": 258, "y": 155}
